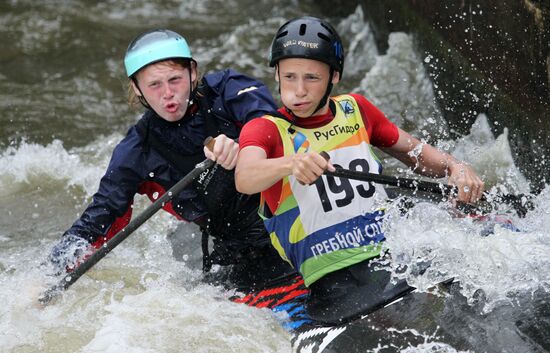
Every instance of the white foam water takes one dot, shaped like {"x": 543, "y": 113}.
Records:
{"x": 30, "y": 164}
{"x": 137, "y": 299}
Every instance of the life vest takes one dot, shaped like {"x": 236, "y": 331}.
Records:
{"x": 333, "y": 223}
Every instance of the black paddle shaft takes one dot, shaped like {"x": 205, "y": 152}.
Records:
{"x": 521, "y": 203}
{"x": 436, "y": 188}
{"x": 100, "y": 253}
{"x": 414, "y": 184}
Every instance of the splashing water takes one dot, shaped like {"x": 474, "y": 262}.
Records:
{"x": 399, "y": 85}
{"x": 33, "y": 164}
{"x": 504, "y": 266}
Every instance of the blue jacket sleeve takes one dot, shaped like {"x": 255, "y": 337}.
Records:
{"x": 115, "y": 194}
{"x": 116, "y": 191}
{"x": 240, "y": 96}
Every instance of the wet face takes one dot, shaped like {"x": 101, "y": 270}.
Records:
{"x": 303, "y": 84}
{"x": 166, "y": 86}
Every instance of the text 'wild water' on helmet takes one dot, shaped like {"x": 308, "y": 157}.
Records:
{"x": 310, "y": 38}
{"x": 152, "y": 46}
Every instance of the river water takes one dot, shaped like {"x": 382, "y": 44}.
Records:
{"x": 62, "y": 90}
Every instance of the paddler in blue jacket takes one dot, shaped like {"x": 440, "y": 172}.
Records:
{"x": 166, "y": 144}
{"x": 330, "y": 228}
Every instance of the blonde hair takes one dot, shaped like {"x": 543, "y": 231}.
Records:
{"x": 135, "y": 101}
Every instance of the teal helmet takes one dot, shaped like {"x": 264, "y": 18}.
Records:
{"x": 153, "y": 46}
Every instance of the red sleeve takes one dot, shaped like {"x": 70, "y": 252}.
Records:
{"x": 263, "y": 133}
{"x": 382, "y": 132}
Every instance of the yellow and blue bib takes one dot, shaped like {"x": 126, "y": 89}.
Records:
{"x": 332, "y": 224}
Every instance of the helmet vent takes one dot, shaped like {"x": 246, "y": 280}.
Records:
{"x": 323, "y": 37}
{"x": 327, "y": 28}
{"x": 303, "y": 28}
{"x": 282, "y": 34}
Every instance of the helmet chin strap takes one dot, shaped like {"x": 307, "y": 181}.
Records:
{"x": 141, "y": 97}
{"x": 324, "y": 100}
{"x": 288, "y": 110}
